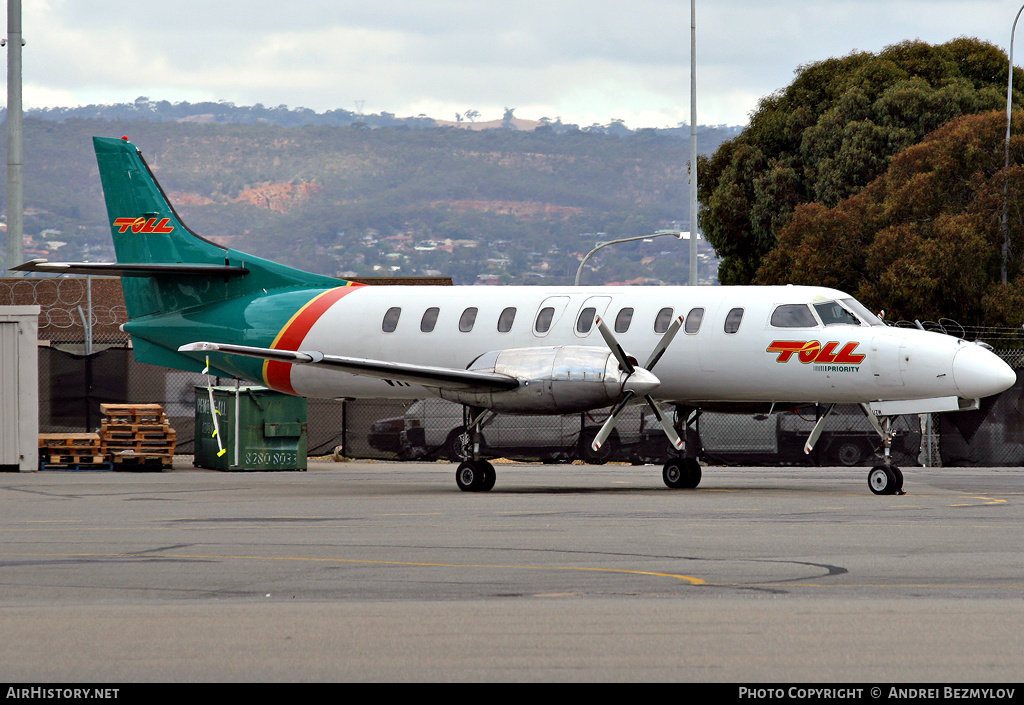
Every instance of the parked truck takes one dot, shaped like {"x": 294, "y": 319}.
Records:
{"x": 847, "y": 440}
{"x": 436, "y": 428}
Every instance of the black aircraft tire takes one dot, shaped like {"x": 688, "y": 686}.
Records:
{"x": 681, "y": 473}
{"x": 898, "y": 476}
{"x": 882, "y": 480}
{"x": 489, "y": 476}
{"x": 469, "y": 477}
{"x": 693, "y": 473}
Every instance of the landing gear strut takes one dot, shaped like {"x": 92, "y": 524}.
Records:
{"x": 476, "y": 474}
{"x": 683, "y": 470}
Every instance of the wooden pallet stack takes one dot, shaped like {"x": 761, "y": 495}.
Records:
{"x": 71, "y": 451}
{"x": 136, "y": 435}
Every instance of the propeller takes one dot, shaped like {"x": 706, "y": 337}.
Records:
{"x": 816, "y": 431}
{"x": 640, "y": 381}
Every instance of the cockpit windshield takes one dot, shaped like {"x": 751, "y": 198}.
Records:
{"x": 849, "y": 312}
{"x": 832, "y": 314}
{"x": 862, "y": 312}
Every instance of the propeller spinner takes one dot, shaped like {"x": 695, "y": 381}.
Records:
{"x": 640, "y": 382}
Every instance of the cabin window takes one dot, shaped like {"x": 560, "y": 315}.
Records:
{"x": 693, "y": 321}
{"x": 793, "y": 316}
{"x": 732, "y": 320}
{"x": 586, "y": 320}
{"x": 662, "y": 320}
{"x": 505, "y": 319}
{"x": 467, "y": 319}
{"x": 544, "y": 319}
{"x": 832, "y": 314}
{"x": 390, "y": 321}
{"x": 429, "y": 319}
{"x": 623, "y": 320}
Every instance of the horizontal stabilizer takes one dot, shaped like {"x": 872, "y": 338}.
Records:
{"x": 128, "y": 269}
{"x": 427, "y": 376}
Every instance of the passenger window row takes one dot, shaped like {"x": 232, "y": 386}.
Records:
{"x": 584, "y": 323}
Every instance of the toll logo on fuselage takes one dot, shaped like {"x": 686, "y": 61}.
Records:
{"x": 811, "y": 351}
{"x": 142, "y": 225}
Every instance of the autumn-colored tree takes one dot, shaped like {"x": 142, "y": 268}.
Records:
{"x": 924, "y": 239}
{"x": 831, "y": 132}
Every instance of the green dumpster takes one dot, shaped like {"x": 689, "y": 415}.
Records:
{"x": 258, "y": 428}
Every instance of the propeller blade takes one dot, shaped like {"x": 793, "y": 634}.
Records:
{"x": 609, "y": 424}
{"x": 663, "y": 344}
{"x": 673, "y": 437}
{"x": 816, "y": 431}
{"x": 616, "y": 349}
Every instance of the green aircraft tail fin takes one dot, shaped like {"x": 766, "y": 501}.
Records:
{"x": 147, "y": 231}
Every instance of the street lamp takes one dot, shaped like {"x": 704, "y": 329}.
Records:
{"x": 676, "y": 233}
{"x": 1006, "y": 179}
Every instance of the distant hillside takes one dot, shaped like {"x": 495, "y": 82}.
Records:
{"x": 499, "y": 205}
{"x": 225, "y": 112}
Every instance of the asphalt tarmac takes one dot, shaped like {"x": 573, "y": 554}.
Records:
{"x": 381, "y": 571}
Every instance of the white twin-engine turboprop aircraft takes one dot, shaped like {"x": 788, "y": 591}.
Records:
{"x": 544, "y": 350}
{"x": 519, "y": 350}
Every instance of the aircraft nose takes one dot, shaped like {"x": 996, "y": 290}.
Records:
{"x": 978, "y": 372}
{"x": 641, "y": 382}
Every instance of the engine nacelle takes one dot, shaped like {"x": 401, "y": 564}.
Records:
{"x": 552, "y": 380}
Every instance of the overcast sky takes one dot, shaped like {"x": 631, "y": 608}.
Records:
{"x": 583, "y": 61}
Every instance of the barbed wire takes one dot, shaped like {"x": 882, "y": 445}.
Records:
{"x": 46, "y": 292}
{"x": 60, "y": 298}
{"x": 988, "y": 334}
{"x": 63, "y": 302}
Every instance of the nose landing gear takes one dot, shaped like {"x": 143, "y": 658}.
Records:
{"x": 885, "y": 478}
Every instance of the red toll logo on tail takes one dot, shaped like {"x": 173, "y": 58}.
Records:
{"x": 141, "y": 225}
{"x": 813, "y": 351}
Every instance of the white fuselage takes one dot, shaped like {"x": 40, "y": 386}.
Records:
{"x": 836, "y": 363}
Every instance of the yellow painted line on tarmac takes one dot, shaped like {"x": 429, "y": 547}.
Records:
{"x": 416, "y": 564}
{"x": 985, "y": 500}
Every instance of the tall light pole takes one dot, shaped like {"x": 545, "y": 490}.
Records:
{"x": 660, "y": 233}
{"x": 693, "y": 143}
{"x": 1006, "y": 172}
{"x": 15, "y": 152}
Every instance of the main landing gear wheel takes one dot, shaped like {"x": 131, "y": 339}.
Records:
{"x": 885, "y": 480}
{"x": 475, "y": 476}
{"x": 681, "y": 473}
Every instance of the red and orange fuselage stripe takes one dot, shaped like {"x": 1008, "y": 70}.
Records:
{"x": 278, "y": 375}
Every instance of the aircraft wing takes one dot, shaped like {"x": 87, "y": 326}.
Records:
{"x": 427, "y": 376}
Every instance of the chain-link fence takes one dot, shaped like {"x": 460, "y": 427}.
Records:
{"x": 73, "y": 385}
{"x": 75, "y": 377}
